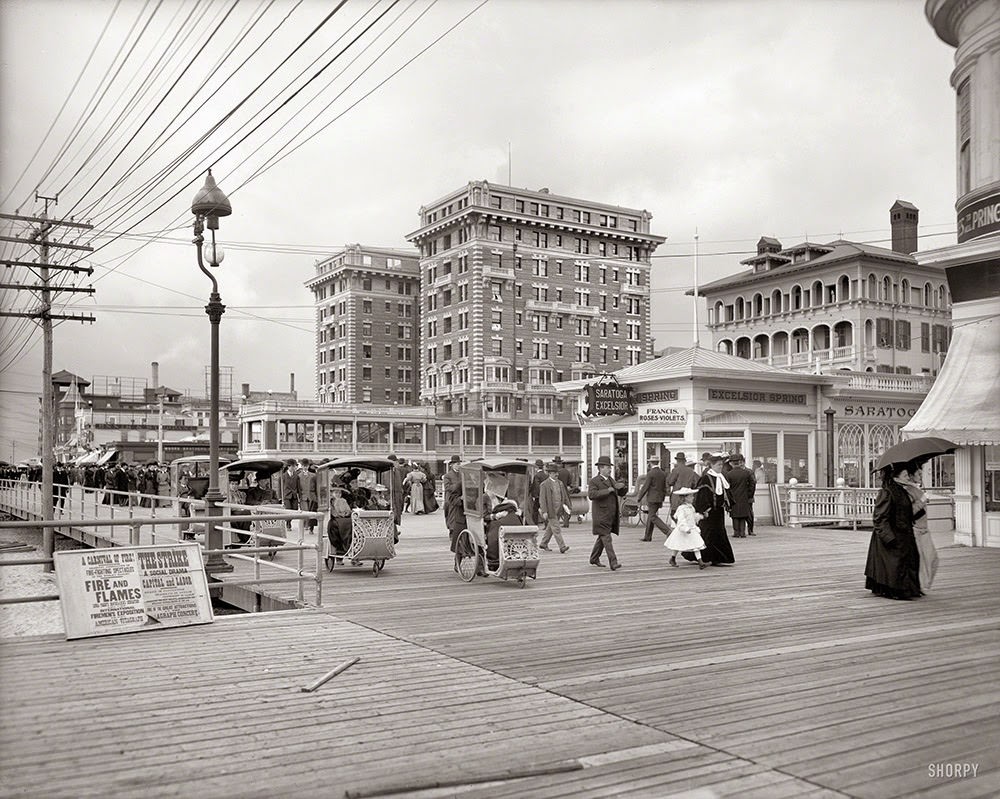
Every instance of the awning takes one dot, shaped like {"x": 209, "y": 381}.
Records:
{"x": 962, "y": 405}
{"x": 110, "y": 455}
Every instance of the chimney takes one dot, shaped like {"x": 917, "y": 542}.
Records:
{"x": 291, "y": 384}
{"x": 156, "y": 375}
{"x": 245, "y": 389}
{"x": 903, "y": 219}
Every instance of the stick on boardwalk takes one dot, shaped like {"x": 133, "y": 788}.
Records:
{"x": 779, "y": 677}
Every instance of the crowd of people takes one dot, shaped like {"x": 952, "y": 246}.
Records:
{"x": 124, "y": 484}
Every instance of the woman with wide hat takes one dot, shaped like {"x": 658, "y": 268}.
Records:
{"x": 711, "y": 502}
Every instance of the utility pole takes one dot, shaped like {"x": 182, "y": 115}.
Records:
{"x": 159, "y": 430}
{"x": 43, "y": 316}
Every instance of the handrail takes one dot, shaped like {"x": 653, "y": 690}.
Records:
{"x": 24, "y": 498}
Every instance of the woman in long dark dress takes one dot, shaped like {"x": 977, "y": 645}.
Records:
{"x": 711, "y": 501}
{"x": 893, "y": 567}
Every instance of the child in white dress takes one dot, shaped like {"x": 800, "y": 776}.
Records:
{"x": 686, "y": 537}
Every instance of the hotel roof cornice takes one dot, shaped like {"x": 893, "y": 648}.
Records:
{"x": 536, "y": 221}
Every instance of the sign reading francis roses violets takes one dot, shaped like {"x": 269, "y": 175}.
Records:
{"x": 128, "y": 589}
{"x": 608, "y": 399}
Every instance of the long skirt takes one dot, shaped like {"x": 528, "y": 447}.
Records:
{"x": 717, "y": 546}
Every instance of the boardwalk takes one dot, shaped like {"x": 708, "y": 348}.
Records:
{"x": 779, "y": 677}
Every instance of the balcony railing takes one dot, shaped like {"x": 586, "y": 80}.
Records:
{"x": 876, "y": 381}
{"x": 630, "y": 289}
{"x": 498, "y": 271}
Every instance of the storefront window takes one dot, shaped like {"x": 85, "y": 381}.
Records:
{"x": 373, "y": 432}
{"x": 796, "y": 457}
{"x": 764, "y": 449}
{"x": 942, "y": 472}
{"x": 407, "y": 433}
{"x": 333, "y": 432}
{"x": 991, "y": 491}
{"x": 255, "y": 432}
{"x": 851, "y": 454}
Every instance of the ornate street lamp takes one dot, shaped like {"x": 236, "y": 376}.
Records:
{"x": 209, "y": 204}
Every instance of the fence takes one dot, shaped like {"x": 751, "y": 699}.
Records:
{"x": 136, "y": 522}
{"x": 843, "y": 506}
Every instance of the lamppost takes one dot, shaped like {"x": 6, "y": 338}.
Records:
{"x": 208, "y": 205}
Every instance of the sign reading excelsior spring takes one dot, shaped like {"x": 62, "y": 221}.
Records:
{"x": 128, "y": 589}
{"x": 756, "y": 396}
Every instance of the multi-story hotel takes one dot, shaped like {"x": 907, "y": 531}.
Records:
{"x": 837, "y": 306}
{"x": 367, "y": 326}
{"x": 521, "y": 289}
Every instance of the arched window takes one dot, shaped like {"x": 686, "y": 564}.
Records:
{"x": 796, "y": 298}
{"x": 872, "y": 288}
{"x": 905, "y": 297}
{"x": 776, "y": 301}
{"x": 942, "y": 297}
{"x": 743, "y": 348}
{"x": 719, "y": 309}
{"x": 725, "y": 346}
{"x": 761, "y": 346}
{"x": 850, "y": 454}
{"x": 740, "y": 309}
{"x": 844, "y": 288}
{"x": 758, "y": 304}
{"x": 928, "y": 299}
{"x": 886, "y": 294}
{"x": 817, "y": 294}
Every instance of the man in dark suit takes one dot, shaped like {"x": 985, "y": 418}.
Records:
{"x": 565, "y": 477}
{"x": 654, "y": 489}
{"x": 681, "y": 476}
{"x": 603, "y": 493}
{"x": 742, "y": 486}
{"x": 534, "y": 489}
{"x": 454, "y": 510}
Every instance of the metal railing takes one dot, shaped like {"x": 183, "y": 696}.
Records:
{"x": 125, "y": 525}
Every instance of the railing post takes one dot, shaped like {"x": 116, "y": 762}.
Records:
{"x": 793, "y": 504}
{"x": 133, "y": 534}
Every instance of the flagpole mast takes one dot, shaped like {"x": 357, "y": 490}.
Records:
{"x": 696, "y": 287}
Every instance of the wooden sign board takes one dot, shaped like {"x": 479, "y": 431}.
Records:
{"x": 131, "y": 589}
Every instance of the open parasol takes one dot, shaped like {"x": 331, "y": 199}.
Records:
{"x": 915, "y": 449}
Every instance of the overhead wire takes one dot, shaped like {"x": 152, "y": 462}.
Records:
{"x": 163, "y": 99}
{"x": 164, "y": 136}
{"x": 149, "y": 78}
{"x": 62, "y": 108}
{"x": 369, "y": 93}
{"x": 194, "y": 175}
{"x": 93, "y": 103}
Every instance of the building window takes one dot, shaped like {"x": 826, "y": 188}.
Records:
{"x": 366, "y": 306}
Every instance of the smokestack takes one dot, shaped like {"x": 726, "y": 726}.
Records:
{"x": 156, "y": 375}
{"x": 245, "y": 389}
{"x": 291, "y": 386}
{"x": 903, "y": 219}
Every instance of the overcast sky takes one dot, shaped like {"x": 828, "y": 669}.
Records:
{"x": 735, "y": 119}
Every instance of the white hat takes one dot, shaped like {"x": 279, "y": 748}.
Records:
{"x": 683, "y": 492}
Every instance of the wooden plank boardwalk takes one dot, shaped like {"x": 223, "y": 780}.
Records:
{"x": 778, "y": 677}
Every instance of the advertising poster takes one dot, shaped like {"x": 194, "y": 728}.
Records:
{"x": 129, "y": 589}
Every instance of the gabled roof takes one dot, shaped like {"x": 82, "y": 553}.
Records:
{"x": 64, "y": 378}
{"x": 904, "y": 204}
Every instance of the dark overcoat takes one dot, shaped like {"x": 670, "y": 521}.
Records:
{"x": 454, "y": 511}
{"x": 742, "y": 486}
{"x": 654, "y": 488}
{"x": 604, "y": 511}
{"x": 893, "y": 566}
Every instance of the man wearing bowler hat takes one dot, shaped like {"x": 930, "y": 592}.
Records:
{"x": 654, "y": 490}
{"x": 454, "y": 510}
{"x": 553, "y": 499}
{"x": 603, "y": 493}
{"x": 681, "y": 476}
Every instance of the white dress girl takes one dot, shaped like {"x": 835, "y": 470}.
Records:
{"x": 685, "y": 537}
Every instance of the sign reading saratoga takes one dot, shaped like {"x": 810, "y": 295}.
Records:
{"x": 608, "y": 399}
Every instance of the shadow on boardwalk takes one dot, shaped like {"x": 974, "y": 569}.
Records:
{"x": 778, "y": 677}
